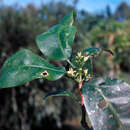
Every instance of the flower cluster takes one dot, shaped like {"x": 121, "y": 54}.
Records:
{"x": 80, "y": 72}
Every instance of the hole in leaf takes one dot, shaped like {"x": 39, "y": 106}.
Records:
{"x": 45, "y": 73}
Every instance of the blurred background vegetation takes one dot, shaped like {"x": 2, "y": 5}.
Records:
{"x": 22, "y": 108}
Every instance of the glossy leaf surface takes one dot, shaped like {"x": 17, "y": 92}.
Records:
{"x": 69, "y": 18}
{"x": 95, "y": 51}
{"x": 25, "y": 66}
{"x": 61, "y": 93}
{"x": 107, "y": 103}
{"x": 91, "y": 51}
{"x": 56, "y": 43}
{"x": 88, "y": 65}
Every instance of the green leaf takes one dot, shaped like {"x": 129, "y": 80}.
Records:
{"x": 88, "y": 65}
{"x": 95, "y": 51}
{"x": 69, "y": 18}
{"x": 109, "y": 81}
{"x": 109, "y": 51}
{"x": 25, "y": 66}
{"x": 91, "y": 51}
{"x": 56, "y": 43}
{"x": 107, "y": 103}
{"x": 61, "y": 93}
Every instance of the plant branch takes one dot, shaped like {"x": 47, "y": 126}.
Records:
{"x": 83, "y": 120}
{"x": 81, "y": 96}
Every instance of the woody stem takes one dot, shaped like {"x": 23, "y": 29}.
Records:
{"x": 83, "y": 120}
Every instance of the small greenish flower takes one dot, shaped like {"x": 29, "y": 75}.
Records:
{"x": 79, "y": 55}
{"x": 71, "y": 72}
{"x": 86, "y": 72}
{"x": 86, "y": 58}
{"x": 89, "y": 76}
{"x": 80, "y": 70}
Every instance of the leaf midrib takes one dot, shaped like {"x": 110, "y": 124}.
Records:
{"x": 43, "y": 67}
{"x": 61, "y": 44}
{"x": 111, "y": 107}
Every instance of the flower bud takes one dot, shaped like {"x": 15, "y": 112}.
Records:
{"x": 86, "y": 72}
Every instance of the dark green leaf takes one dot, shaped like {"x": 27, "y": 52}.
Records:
{"x": 91, "y": 51}
{"x": 109, "y": 51}
{"x": 109, "y": 81}
{"x": 57, "y": 42}
{"x": 25, "y": 66}
{"x": 88, "y": 65}
{"x": 61, "y": 93}
{"x": 108, "y": 104}
{"x": 69, "y": 18}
